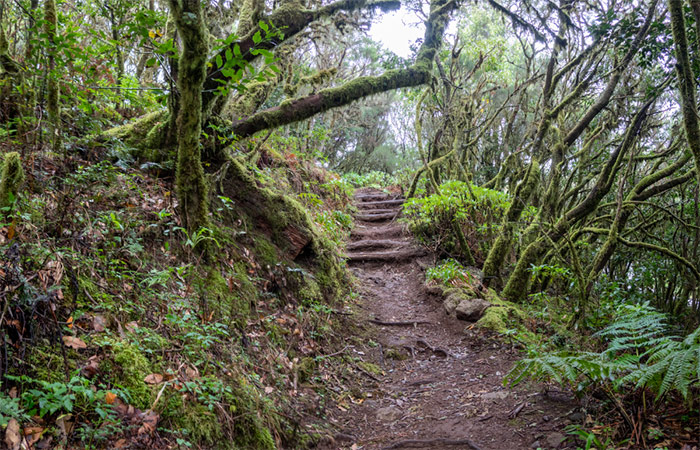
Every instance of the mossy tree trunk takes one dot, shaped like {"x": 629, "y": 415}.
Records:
{"x": 504, "y": 241}
{"x": 12, "y": 177}
{"x": 190, "y": 180}
{"x": 518, "y": 284}
{"x": 686, "y": 80}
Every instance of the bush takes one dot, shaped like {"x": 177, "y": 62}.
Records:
{"x": 477, "y": 210}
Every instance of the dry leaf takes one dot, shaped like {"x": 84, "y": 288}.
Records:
{"x": 11, "y": 231}
{"x": 192, "y": 373}
{"x": 131, "y": 326}
{"x": 121, "y": 443}
{"x": 74, "y": 342}
{"x": 69, "y": 322}
{"x": 98, "y": 323}
{"x": 269, "y": 390}
{"x": 110, "y": 397}
{"x": 154, "y": 378}
{"x": 12, "y": 437}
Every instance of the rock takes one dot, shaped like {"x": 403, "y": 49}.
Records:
{"x": 472, "y": 309}
{"x": 498, "y": 395}
{"x": 388, "y": 414}
{"x": 577, "y": 416}
{"x": 555, "y": 439}
{"x": 450, "y": 303}
{"x": 536, "y": 444}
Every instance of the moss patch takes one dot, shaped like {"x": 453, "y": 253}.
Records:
{"x": 129, "y": 367}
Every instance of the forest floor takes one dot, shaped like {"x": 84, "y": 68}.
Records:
{"x": 436, "y": 383}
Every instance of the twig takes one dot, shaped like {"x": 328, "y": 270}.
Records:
{"x": 515, "y": 411}
{"x": 333, "y": 354}
{"x": 418, "y": 443}
{"x": 398, "y": 324}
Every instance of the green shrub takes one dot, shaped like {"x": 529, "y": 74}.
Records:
{"x": 478, "y": 211}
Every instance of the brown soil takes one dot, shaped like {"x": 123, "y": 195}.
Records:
{"x": 440, "y": 383}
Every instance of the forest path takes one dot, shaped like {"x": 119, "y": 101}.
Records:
{"x": 440, "y": 386}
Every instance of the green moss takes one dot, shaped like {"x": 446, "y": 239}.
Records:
{"x": 502, "y": 316}
{"x": 146, "y": 135}
{"x": 371, "y": 368}
{"x": 310, "y": 292}
{"x": 12, "y": 178}
{"x": 265, "y": 251}
{"x": 201, "y": 425}
{"x": 129, "y": 368}
{"x": 393, "y": 353}
{"x": 305, "y": 369}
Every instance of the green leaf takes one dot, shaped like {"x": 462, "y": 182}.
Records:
{"x": 257, "y": 38}
{"x": 151, "y": 62}
{"x": 219, "y": 61}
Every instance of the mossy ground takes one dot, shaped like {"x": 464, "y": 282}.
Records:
{"x": 231, "y": 338}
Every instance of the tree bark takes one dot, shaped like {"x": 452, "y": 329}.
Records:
{"x": 190, "y": 182}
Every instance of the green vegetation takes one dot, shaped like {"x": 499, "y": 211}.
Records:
{"x": 175, "y": 192}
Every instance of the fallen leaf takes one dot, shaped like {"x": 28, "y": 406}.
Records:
{"x": 69, "y": 322}
{"x": 12, "y": 437}
{"x": 11, "y": 231}
{"x": 99, "y": 323}
{"x": 110, "y": 397}
{"x": 154, "y": 378}
{"x": 131, "y": 326}
{"x": 74, "y": 342}
{"x": 269, "y": 390}
{"x": 121, "y": 443}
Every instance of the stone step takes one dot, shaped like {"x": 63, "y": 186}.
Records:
{"x": 379, "y": 204}
{"x": 360, "y": 232}
{"x": 373, "y": 244}
{"x": 376, "y": 217}
{"x": 385, "y": 256}
{"x": 378, "y": 196}
{"x": 380, "y": 211}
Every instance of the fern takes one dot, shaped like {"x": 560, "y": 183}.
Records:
{"x": 640, "y": 350}
{"x": 671, "y": 365}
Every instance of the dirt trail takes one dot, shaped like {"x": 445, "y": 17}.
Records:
{"x": 440, "y": 385}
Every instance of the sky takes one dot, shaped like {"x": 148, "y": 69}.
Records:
{"x": 396, "y": 32}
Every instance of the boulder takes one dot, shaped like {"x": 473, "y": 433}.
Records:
{"x": 471, "y": 309}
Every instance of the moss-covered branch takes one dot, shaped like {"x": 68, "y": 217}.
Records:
{"x": 303, "y": 108}
{"x": 291, "y": 18}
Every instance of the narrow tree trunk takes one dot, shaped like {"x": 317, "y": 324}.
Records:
{"x": 52, "y": 95}
{"x": 190, "y": 181}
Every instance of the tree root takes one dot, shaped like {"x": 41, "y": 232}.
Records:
{"x": 421, "y": 443}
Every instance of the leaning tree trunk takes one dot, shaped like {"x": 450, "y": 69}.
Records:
{"x": 190, "y": 182}
{"x": 521, "y": 197}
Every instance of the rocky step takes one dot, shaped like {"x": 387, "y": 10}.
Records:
{"x": 378, "y": 196}
{"x": 385, "y": 256}
{"x": 380, "y": 211}
{"x": 374, "y": 244}
{"x": 380, "y": 204}
{"x": 377, "y": 217}
{"x": 361, "y": 232}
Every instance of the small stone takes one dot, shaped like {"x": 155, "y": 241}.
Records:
{"x": 471, "y": 309}
{"x": 555, "y": 439}
{"x": 388, "y": 414}
{"x": 546, "y": 418}
{"x": 499, "y": 395}
{"x": 576, "y": 417}
{"x": 536, "y": 444}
